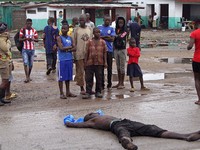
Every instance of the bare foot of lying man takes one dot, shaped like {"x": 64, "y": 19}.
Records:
{"x": 124, "y": 129}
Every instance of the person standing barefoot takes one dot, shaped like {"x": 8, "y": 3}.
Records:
{"x": 195, "y": 39}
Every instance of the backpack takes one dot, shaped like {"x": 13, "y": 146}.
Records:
{"x": 19, "y": 44}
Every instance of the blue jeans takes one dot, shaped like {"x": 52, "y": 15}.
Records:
{"x": 28, "y": 57}
{"x": 51, "y": 59}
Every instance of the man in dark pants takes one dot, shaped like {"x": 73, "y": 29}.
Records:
{"x": 135, "y": 30}
{"x": 50, "y": 44}
{"x": 95, "y": 61}
{"x": 125, "y": 129}
{"x": 108, "y": 34}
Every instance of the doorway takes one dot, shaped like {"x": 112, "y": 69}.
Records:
{"x": 186, "y": 11}
{"x": 164, "y": 15}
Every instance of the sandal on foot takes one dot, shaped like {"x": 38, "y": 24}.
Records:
{"x": 120, "y": 87}
{"x": 83, "y": 92}
{"x": 197, "y": 102}
{"x": 115, "y": 86}
{"x": 26, "y": 81}
{"x": 132, "y": 90}
{"x": 145, "y": 89}
{"x": 71, "y": 95}
{"x": 11, "y": 96}
{"x": 62, "y": 96}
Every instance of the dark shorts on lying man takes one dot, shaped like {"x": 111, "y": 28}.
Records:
{"x": 130, "y": 128}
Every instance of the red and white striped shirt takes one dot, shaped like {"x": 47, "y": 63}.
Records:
{"x": 28, "y": 33}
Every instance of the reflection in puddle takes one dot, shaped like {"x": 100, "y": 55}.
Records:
{"x": 117, "y": 96}
{"x": 174, "y": 60}
{"x": 153, "y": 76}
{"x": 122, "y": 96}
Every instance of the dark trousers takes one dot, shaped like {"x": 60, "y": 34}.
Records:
{"x": 90, "y": 71}
{"x": 109, "y": 71}
{"x": 51, "y": 59}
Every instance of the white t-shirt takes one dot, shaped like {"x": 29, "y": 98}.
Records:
{"x": 155, "y": 17}
{"x": 113, "y": 24}
{"x": 90, "y": 24}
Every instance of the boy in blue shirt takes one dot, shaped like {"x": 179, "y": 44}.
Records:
{"x": 108, "y": 35}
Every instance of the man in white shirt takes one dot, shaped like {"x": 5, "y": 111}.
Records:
{"x": 114, "y": 22}
{"x": 155, "y": 18}
{"x": 89, "y": 23}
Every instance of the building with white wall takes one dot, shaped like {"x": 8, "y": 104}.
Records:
{"x": 169, "y": 11}
{"x": 40, "y": 13}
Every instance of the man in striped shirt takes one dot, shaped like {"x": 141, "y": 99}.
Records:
{"x": 28, "y": 35}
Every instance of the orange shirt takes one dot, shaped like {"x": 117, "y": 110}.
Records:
{"x": 134, "y": 54}
{"x": 196, "y": 36}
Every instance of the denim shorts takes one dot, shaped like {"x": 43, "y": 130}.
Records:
{"x": 28, "y": 57}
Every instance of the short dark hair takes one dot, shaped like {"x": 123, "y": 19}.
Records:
{"x": 51, "y": 19}
{"x": 28, "y": 20}
{"x": 95, "y": 28}
{"x": 64, "y": 21}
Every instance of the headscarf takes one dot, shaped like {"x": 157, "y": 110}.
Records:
{"x": 3, "y": 27}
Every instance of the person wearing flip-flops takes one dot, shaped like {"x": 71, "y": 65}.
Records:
{"x": 195, "y": 39}
{"x": 133, "y": 69}
{"x": 65, "y": 62}
{"x": 29, "y": 36}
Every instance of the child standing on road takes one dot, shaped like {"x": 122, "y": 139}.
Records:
{"x": 133, "y": 69}
{"x": 65, "y": 62}
{"x": 95, "y": 61}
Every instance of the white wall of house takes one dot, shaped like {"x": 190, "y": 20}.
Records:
{"x": 175, "y": 10}
{"x": 40, "y": 18}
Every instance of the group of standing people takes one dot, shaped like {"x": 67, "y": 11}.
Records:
{"x": 91, "y": 49}
{"x": 153, "y": 21}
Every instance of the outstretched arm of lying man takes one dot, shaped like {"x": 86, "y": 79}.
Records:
{"x": 88, "y": 124}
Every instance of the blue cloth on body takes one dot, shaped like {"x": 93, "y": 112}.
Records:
{"x": 70, "y": 118}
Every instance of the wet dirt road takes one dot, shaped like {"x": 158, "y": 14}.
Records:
{"x": 34, "y": 120}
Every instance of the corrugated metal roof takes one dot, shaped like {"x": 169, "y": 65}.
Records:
{"x": 188, "y": 1}
{"x": 84, "y": 5}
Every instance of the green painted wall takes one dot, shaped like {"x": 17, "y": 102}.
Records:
{"x": 6, "y": 14}
{"x": 98, "y": 21}
{"x": 173, "y": 23}
{"x": 39, "y": 24}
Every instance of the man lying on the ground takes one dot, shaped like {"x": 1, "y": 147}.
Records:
{"x": 125, "y": 129}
